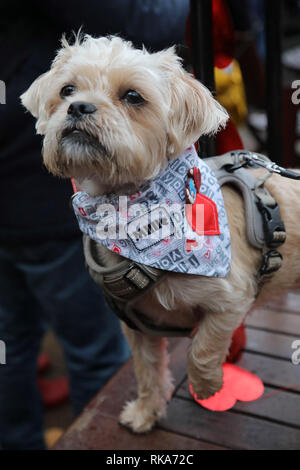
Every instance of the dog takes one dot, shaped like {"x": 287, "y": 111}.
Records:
{"x": 112, "y": 117}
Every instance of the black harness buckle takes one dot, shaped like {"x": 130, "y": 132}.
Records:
{"x": 271, "y": 262}
{"x": 241, "y": 159}
{"x": 274, "y": 228}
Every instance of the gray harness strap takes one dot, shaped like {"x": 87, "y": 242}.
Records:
{"x": 127, "y": 281}
{"x": 228, "y": 169}
{"x": 265, "y": 228}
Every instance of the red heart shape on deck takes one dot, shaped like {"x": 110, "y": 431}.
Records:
{"x": 238, "y": 384}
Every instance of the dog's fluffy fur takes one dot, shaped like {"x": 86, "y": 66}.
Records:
{"x": 120, "y": 146}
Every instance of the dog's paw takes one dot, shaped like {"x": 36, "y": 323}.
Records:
{"x": 206, "y": 387}
{"x": 139, "y": 417}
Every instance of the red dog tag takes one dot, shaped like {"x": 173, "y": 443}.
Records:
{"x": 202, "y": 215}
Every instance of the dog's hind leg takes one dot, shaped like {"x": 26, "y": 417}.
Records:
{"x": 154, "y": 381}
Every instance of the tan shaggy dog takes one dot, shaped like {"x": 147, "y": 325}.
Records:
{"x": 140, "y": 110}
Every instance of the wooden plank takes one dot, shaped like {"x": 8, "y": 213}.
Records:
{"x": 265, "y": 342}
{"x": 109, "y": 402}
{"x": 274, "y": 372}
{"x": 263, "y": 318}
{"x": 289, "y": 302}
{"x": 122, "y": 387}
{"x": 275, "y": 405}
{"x": 232, "y": 430}
{"x": 97, "y": 431}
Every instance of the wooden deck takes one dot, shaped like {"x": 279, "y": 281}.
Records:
{"x": 272, "y": 422}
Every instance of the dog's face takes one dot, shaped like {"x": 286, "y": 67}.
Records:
{"x": 116, "y": 113}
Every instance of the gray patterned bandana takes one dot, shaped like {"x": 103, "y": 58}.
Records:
{"x": 157, "y": 227}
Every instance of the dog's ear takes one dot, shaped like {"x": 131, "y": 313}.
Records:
{"x": 34, "y": 100}
{"x": 193, "y": 109}
{"x": 39, "y": 97}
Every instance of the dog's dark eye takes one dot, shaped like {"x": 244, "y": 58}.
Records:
{"x": 133, "y": 97}
{"x": 67, "y": 91}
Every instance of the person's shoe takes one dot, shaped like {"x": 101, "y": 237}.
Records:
{"x": 54, "y": 391}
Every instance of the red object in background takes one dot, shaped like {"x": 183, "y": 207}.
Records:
{"x": 54, "y": 391}
{"x": 43, "y": 363}
{"x": 228, "y": 139}
{"x": 238, "y": 343}
{"x": 223, "y": 34}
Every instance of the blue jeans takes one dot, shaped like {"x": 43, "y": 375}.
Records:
{"x": 47, "y": 284}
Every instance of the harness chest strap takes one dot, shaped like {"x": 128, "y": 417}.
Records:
{"x": 128, "y": 281}
{"x": 125, "y": 283}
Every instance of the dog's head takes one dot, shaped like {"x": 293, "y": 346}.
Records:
{"x": 111, "y": 111}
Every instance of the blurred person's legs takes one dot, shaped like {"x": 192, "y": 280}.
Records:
{"x": 89, "y": 332}
{"x": 21, "y": 328}
{"x": 49, "y": 281}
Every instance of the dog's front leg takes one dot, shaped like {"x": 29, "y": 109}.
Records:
{"x": 154, "y": 381}
{"x": 208, "y": 352}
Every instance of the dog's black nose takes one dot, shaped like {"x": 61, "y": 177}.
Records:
{"x": 79, "y": 108}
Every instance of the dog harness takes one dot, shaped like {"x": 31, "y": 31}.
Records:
{"x": 127, "y": 281}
